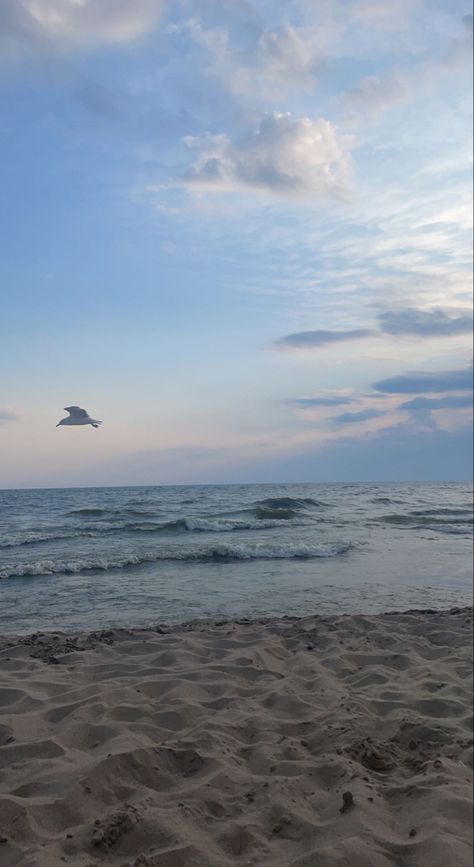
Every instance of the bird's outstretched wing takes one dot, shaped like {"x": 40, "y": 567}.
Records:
{"x": 76, "y": 412}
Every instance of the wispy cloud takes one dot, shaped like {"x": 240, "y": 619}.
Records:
{"x": 375, "y": 94}
{"x": 315, "y": 339}
{"x": 357, "y": 417}
{"x": 425, "y": 323}
{"x": 267, "y": 64}
{"x": 451, "y": 401}
{"x": 414, "y": 383}
{"x": 286, "y": 156}
{"x": 322, "y": 401}
{"x": 288, "y": 52}
{"x": 408, "y": 321}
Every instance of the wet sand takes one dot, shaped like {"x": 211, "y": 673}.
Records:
{"x": 314, "y": 742}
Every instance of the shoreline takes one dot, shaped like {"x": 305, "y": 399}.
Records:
{"x": 290, "y": 741}
{"x": 199, "y": 623}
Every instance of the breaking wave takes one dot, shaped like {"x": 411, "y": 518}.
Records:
{"x": 33, "y": 539}
{"x": 201, "y": 525}
{"x": 265, "y": 520}
{"x": 211, "y": 554}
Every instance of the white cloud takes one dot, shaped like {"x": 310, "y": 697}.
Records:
{"x": 26, "y": 24}
{"x": 276, "y": 58}
{"x": 284, "y": 156}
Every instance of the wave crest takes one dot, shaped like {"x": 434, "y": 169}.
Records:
{"x": 214, "y": 553}
{"x": 288, "y": 503}
{"x": 429, "y": 521}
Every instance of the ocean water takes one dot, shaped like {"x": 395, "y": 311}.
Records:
{"x": 94, "y": 557}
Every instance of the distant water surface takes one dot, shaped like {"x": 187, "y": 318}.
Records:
{"x": 92, "y": 557}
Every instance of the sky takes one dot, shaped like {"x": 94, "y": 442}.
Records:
{"x": 240, "y": 234}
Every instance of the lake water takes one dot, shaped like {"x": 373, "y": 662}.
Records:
{"x": 93, "y": 557}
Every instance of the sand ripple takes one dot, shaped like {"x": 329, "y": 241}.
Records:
{"x": 319, "y": 742}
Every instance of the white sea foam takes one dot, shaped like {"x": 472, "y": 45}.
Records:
{"x": 215, "y": 553}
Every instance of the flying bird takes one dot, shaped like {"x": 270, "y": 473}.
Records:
{"x": 78, "y": 416}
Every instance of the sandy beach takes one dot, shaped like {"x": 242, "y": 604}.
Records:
{"x": 313, "y": 742}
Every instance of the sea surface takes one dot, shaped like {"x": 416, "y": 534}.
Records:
{"x": 87, "y": 558}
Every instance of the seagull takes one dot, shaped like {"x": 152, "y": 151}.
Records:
{"x": 78, "y": 416}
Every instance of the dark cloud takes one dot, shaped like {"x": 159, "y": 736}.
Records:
{"x": 402, "y": 453}
{"x": 410, "y": 320}
{"x": 421, "y": 408}
{"x": 314, "y": 339}
{"x": 351, "y": 417}
{"x": 308, "y": 402}
{"x": 414, "y": 383}
{"x": 450, "y": 401}
{"x": 425, "y": 323}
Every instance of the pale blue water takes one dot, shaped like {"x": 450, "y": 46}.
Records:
{"x": 88, "y": 558}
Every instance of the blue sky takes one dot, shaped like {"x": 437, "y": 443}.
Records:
{"x": 240, "y": 234}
